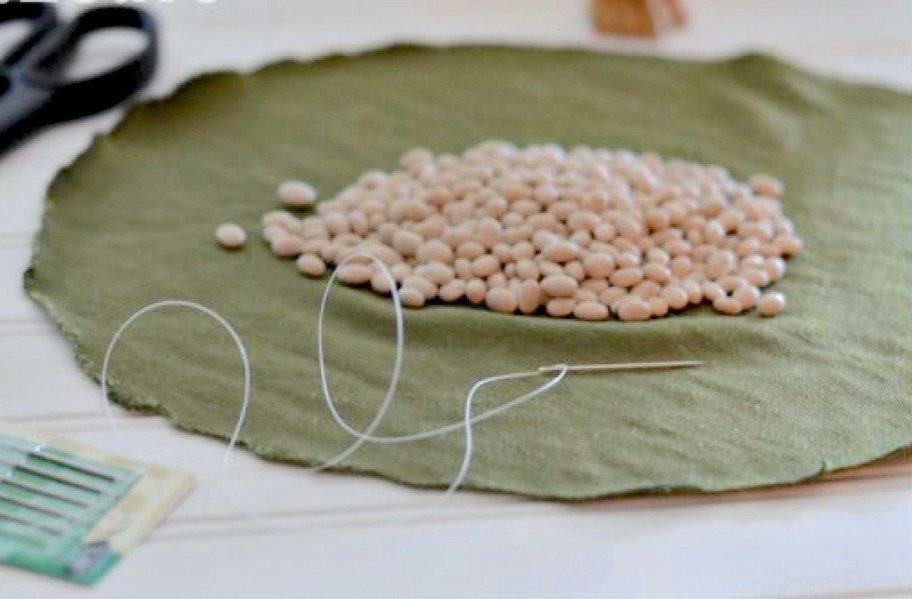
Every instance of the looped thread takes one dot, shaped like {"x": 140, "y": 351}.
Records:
{"x": 367, "y": 435}
{"x": 245, "y": 361}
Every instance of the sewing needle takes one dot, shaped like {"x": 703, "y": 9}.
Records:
{"x": 26, "y": 522}
{"x": 39, "y": 509}
{"x": 53, "y": 477}
{"x": 38, "y": 455}
{"x": 624, "y": 366}
{"x": 38, "y": 491}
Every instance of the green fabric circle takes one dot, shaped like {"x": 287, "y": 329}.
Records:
{"x": 822, "y": 387}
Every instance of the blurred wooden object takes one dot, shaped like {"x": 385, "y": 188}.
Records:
{"x": 645, "y": 18}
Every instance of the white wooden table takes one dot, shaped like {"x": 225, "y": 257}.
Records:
{"x": 330, "y": 535}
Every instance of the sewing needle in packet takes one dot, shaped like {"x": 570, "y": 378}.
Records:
{"x": 72, "y": 512}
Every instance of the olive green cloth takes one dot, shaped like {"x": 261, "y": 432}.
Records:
{"x": 822, "y": 387}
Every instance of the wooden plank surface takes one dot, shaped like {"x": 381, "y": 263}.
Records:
{"x": 267, "y": 530}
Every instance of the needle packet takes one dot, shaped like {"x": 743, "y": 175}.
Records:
{"x": 71, "y": 511}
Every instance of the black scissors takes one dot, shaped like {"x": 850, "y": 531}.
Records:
{"x": 34, "y": 91}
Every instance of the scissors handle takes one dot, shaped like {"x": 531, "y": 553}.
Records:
{"x": 42, "y": 19}
{"x": 34, "y": 90}
{"x": 74, "y": 99}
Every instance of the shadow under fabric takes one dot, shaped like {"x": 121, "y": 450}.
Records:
{"x": 824, "y": 386}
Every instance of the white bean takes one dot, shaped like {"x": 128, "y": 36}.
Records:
{"x": 582, "y": 221}
{"x": 287, "y": 246}
{"x": 681, "y": 266}
{"x": 712, "y": 291}
{"x": 658, "y": 306}
{"x": 747, "y": 296}
{"x": 646, "y": 289}
{"x": 727, "y": 305}
{"x": 561, "y": 251}
{"x": 355, "y": 274}
{"x": 771, "y": 304}
{"x": 775, "y": 268}
{"x": 231, "y": 236}
{"x": 407, "y": 242}
{"x": 470, "y": 250}
{"x": 756, "y": 277}
{"x": 559, "y": 286}
{"x": 590, "y": 310}
{"x": 452, "y": 291}
{"x": 272, "y": 232}
{"x": 675, "y": 296}
{"x": 476, "y": 290}
{"x": 411, "y": 297}
{"x": 575, "y": 270}
{"x": 436, "y": 272}
{"x": 311, "y": 265}
{"x": 336, "y": 223}
{"x": 503, "y": 252}
{"x": 380, "y": 283}
{"x": 529, "y": 296}
{"x": 767, "y": 185}
{"x": 384, "y": 253}
{"x": 560, "y": 306}
{"x": 611, "y": 295}
{"x": 626, "y": 277}
{"x": 720, "y": 264}
{"x": 656, "y": 272}
{"x": 633, "y": 308}
{"x": 489, "y": 232}
{"x": 485, "y": 266}
{"x": 401, "y": 271}
{"x": 731, "y": 282}
{"x": 579, "y": 232}
{"x": 694, "y": 291}
{"x": 435, "y": 250}
{"x": 658, "y": 256}
{"x": 788, "y": 245}
{"x": 421, "y": 284}
{"x": 548, "y": 268}
{"x": 501, "y": 299}
{"x": 527, "y": 269}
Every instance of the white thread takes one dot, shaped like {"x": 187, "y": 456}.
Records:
{"x": 366, "y": 435}
{"x": 245, "y": 360}
{"x": 468, "y": 420}
{"x": 360, "y": 437}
